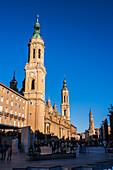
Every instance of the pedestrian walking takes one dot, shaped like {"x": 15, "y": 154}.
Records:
{"x": 105, "y": 145}
{"x": 53, "y": 147}
{"x": 38, "y": 150}
{"x": 9, "y": 153}
{"x": 4, "y": 150}
{"x": 1, "y": 151}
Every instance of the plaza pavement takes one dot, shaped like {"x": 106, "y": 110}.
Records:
{"x": 94, "y": 155}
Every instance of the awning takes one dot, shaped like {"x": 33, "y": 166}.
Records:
{"x": 2, "y": 126}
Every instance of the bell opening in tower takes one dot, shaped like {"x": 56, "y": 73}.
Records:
{"x": 33, "y": 53}
{"x": 39, "y": 51}
{"x": 64, "y": 99}
{"x": 33, "y": 84}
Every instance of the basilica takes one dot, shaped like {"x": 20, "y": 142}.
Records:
{"x": 27, "y": 106}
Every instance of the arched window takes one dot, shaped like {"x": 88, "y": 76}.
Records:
{"x": 64, "y": 112}
{"x": 28, "y": 55}
{"x": 33, "y": 53}
{"x": 39, "y": 52}
{"x": 64, "y": 99}
{"x": 33, "y": 84}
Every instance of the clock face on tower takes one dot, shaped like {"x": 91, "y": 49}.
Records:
{"x": 32, "y": 74}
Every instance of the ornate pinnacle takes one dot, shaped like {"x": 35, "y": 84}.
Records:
{"x": 64, "y": 84}
{"x": 90, "y": 112}
{"x": 36, "y": 33}
{"x": 14, "y": 76}
{"x": 37, "y": 17}
{"x": 64, "y": 77}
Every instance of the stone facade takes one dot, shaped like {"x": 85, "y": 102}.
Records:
{"x": 56, "y": 124}
{"x": 12, "y": 107}
{"x": 74, "y": 132}
{"x": 37, "y": 113}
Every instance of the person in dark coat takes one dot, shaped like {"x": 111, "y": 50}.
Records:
{"x": 4, "y": 150}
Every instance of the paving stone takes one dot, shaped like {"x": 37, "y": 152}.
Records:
{"x": 94, "y": 155}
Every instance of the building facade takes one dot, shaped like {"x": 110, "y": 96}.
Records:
{"x": 12, "y": 107}
{"x": 31, "y": 104}
{"x": 111, "y": 121}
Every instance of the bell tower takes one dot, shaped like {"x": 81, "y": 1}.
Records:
{"x": 65, "y": 107}
{"x": 13, "y": 83}
{"x": 35, "y": 81}
{"x": 91, "y": 124}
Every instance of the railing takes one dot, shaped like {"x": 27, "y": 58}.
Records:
{"x": 19, "y": 118}
{"x": 6, "y": 114}
{"x": 15, "y": 116}
{"x": 23, "y": 118}
{"x": 11, "y": 115}
{"x": 1, "y": 113}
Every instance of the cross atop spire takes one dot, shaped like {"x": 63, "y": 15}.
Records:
{"x": 64, "y": 77}
{"x": 14, "y": 76}
{"x": 37, "y": 18}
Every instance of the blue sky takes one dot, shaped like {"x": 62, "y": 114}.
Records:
{"x": 78, "y": 37}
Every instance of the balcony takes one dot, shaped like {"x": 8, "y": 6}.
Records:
{"x": 15, "y": 116}
{"x": 1, "y": 113}
{"x": 23, "y": 118}
{"x": 11, "y": 115}
{"x": 19, "y": 118}
{"x": 6, "y": 114}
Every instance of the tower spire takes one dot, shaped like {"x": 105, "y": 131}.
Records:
{"x": 65, "y": 107}
{"x": 64, "y": 84}
{"x": 13, "y": 83}
{"x": 91, "y": 124}
{"x": 90, "y": 113}
{"x": 35, "y": 91}
{"x": 49, "y": 101}
{"x": 37, "y": 17}
{"x": 36, "y": 33}
{"x": 14, "y": 76}
{"x": 54, "y": 106}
